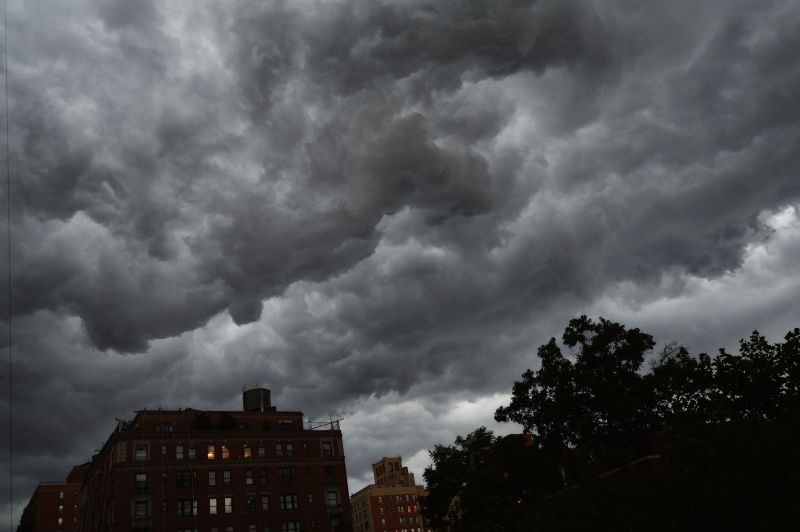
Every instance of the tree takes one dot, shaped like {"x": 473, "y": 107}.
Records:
{"x": 728, "y": 425}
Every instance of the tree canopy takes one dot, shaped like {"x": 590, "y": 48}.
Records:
{"x": 726, "y": 427}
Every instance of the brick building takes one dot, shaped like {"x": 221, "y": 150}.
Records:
{"x": 54, "y": 505}
{"x": 258, "y": 470}
{"x": 392, "y": 503}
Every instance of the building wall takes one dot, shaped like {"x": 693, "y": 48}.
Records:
{"x": 52, "y": 508}
{"x": 381, "y": 508}
{"x": 275, "y": 473}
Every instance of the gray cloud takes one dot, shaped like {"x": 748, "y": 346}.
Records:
{"x": 361, "y": 202}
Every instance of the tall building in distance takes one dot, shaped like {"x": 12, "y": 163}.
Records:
{"x": 256, "y": 470}
{"x": 54, "y": 505}
{"x": 391, "y": 504}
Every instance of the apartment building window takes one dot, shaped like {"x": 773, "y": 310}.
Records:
{"x": 60, "y": 521}
{"x": 327, "y": 448}
{"x": 228, "y": 505}
{"x": 141, "y": 509}
{"x": 228, "y": 528}
{"x": 251, "y": 528}
{"x": 311, "y": 497}
{"x": 186, "y": 507}
{"x": 262, "y": 476}
{"x": 140, "y": 452}
{"x": 290, "y": 526}
{"x": 332, "y": 498}
{"x": 186, "y": 479}
{"x": 251, "y": 503}
{"x": 164, "y": 506}
{"x": 400, "y": 509}
{"x": 211, "y": 452}
{"x": 314, "y": 524}
{"x": 179, "y": 452}
{"x": 212, "y": 506}
{"x": 248, "y": 477}
{"x": 265, "y": 503}
{"x": 330, "y": 474}
{"x": 60, "y": 494}
{"x": 225, "y": 452}
{"x": 212, "y": 478}
{"x": 305, "y": 446}
{"x": 286, "y": 475}
{"x": 289, "y": 449}
{"x": 289, "y": 501}
{"x": 60, "y": 508}
{"x": 141, "y": 481}
{"x": 248, "y": 453}
{"x": 266, "y": 528}
{"x": 226, "y": 477}
{"x": 278, "y": 449}
{"x": 192, "y": 452}
{"x": 163, "y": 450}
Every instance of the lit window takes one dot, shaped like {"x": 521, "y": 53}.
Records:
{"x": 192, "y": 452}
{"x": 141, "y": 480}
{"x": 212, "y": 506}
{"x": 179, "y": 452}
{"x": 212, "y": 478}
{"x": 228, "y": 505}
{"x": 226, "y": 477}
{"x": 265, "y": 503}
{"x": 210, "y": 452}
{"x": 225, "y": 453}
{"x": 141, "y": 452}
{"x": 248, "y": 453}
{"x": 327, "y": 448}
{"x": 332, "y": 498}
{"x": 248, "y": 477}
{"x": 60, "y": 521}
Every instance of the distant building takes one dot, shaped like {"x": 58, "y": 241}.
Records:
{"x": 54, "y": 505}
{"x": 258, "y": 470}
{"x": 392, "y": 503}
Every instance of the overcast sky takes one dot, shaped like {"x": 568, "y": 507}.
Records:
{"x": 379, "y": 209}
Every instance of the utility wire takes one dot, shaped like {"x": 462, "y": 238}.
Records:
{"x": 8, "y": 249}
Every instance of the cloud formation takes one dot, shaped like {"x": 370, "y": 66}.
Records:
{"x": 366, "y": 203}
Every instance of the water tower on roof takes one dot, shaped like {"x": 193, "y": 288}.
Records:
{"x": 257, "y": 400}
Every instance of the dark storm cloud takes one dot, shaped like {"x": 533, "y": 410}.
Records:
{"x": 389, "y": 199}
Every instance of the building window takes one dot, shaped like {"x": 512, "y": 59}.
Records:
{"x": 289, "y": 449}
{"x": 330, "y": 474}
{"x": 314, "y": 524}
{"x": 266, "y": 528}
{"x": 60, "y": 508}
{"x": 248, "y": 477}
{"x": 60, "y": 521}
{"x": 265, "y": 503}
{"x": 251, "y": 503}
{"x": 60, "y": 494}
{"x": 226, "y": 477}
{"x": 140, "y": 510}
{"x": 248, "y": 453}
{"x": 186, "y": 479}
{"x": 289, "y": 501}
{"x": 228, "y": 528}
{"x": 179, "y": 452}
{"x": 141, "y": 452}
{"x": 225, "y": 452}
{"x": 286, "y": 475}
{"x": 212, "y": 506}
{"x": 141, "y": 481}
{"x": 228, "y": 505}
{"x": 327, "y": 448}
{"x": 278, "y": 449}
{"x": 163, "y": 450}
{"x": 332, "y": 498}
{"x": 192, "y": 452}
{"x": 262, "y": 476}
{"x": 310, "y": 497}
{"x": 210, "y": 452}
{"x": 290, "y": 526}
{"x": 212, "y": 478}
{"x": 400, "y": 509}
{"x": 262, "y": 452}
{"x": 251, "y": 528}
{"x": 186, "y": 507}
{"x": 305, "y": 445}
